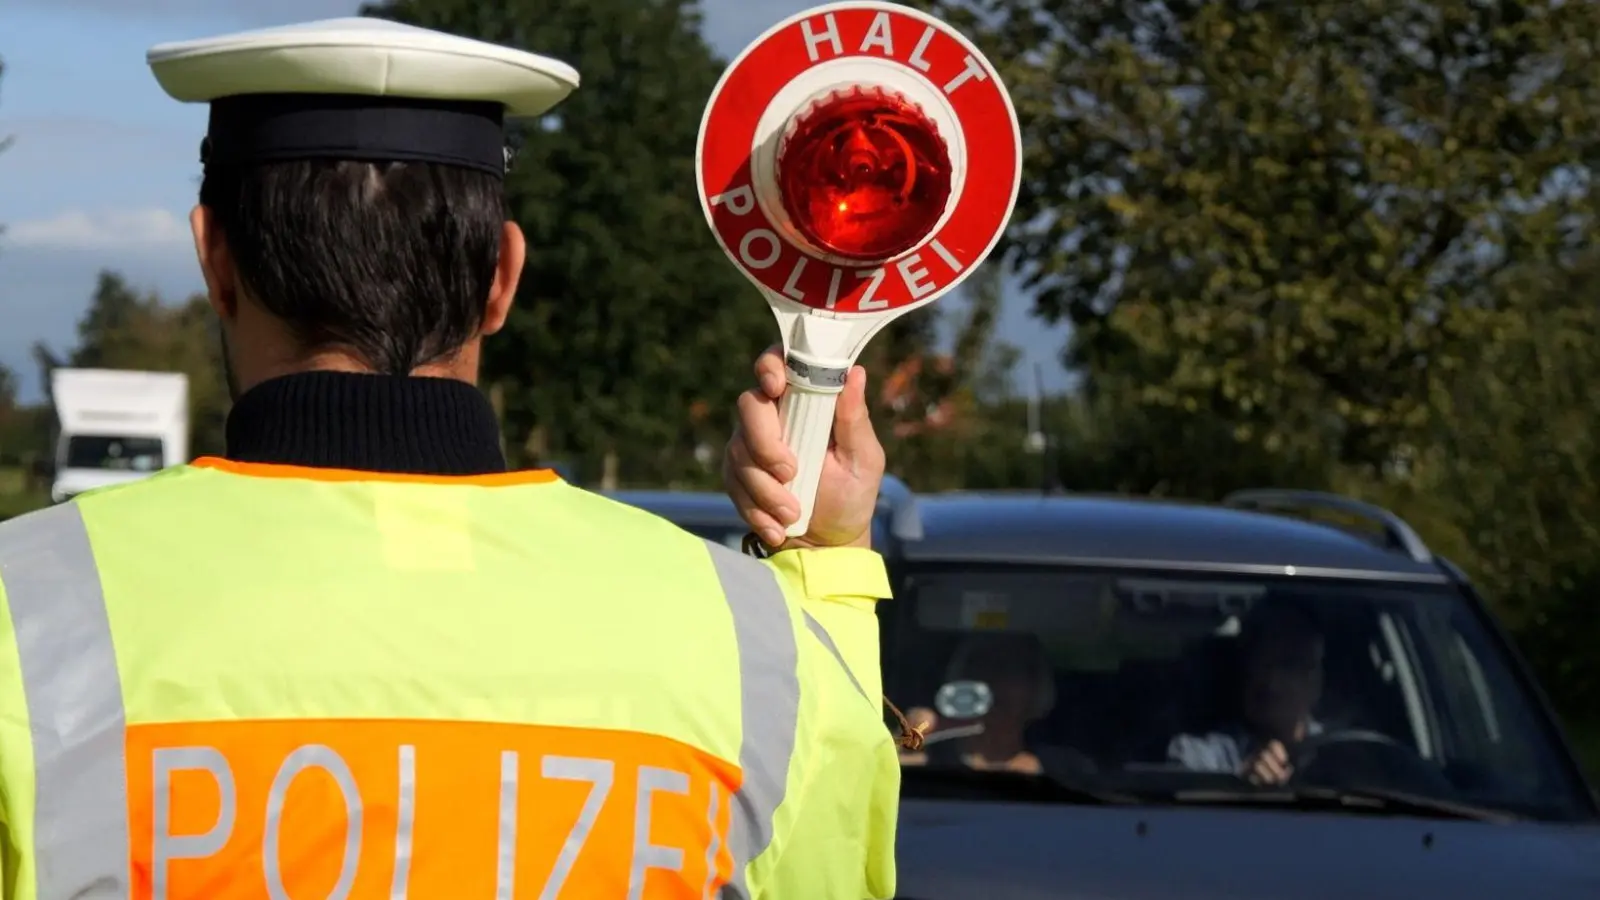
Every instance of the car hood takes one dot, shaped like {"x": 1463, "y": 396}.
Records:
{"x": 956, "y": 850}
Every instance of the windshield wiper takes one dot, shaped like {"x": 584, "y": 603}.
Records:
{"x": 1001, "y": 784}
{"x": 1356, "y": 799}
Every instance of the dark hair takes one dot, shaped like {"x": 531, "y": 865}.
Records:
{"x": 390, "y": 261}
{"x": 995, "y": 654}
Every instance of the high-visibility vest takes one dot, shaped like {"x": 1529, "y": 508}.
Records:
{"x": 243, "y": 681}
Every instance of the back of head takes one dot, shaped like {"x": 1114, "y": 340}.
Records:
{"x": 392, "y": 261}
{"x": 985, "y": 655}
{"x": 354, "y": 169}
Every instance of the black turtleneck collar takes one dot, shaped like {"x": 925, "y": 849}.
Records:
{"x": 373, "y": 423}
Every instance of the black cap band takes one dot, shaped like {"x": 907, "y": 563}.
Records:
{"x": 261, "y": 128}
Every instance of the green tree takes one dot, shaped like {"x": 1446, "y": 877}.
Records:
{"x": 110, "y": 328}
{"x": 1288, "y": 217}
{"x": 630, "y": 322}
{"x": 932, "y": 406}
{"x": 1518, "y": 468}
{"x": 125, "y": 329}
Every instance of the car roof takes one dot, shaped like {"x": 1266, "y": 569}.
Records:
{"x": 683, "y": 507}
{"x": 691, "y": 509}
{"x": 1130, "y": 532}
{"x": 1116, "y": 532}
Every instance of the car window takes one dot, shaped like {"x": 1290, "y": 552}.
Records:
{"x": 1149, "y": 682}
{"x": 1490, "y": 734}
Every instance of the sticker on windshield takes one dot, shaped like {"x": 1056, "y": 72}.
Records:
{"x": 964, "y": 700}
{"x": 983, "y": 610}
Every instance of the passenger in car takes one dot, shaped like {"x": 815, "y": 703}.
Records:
{"x": 1021, "y": 686}
{"x": 1281, "y": 650}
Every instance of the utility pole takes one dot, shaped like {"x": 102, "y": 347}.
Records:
{"x": 1039, "y": 436}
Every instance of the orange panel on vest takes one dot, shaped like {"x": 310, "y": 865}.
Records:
{"x": 381, "y": 809}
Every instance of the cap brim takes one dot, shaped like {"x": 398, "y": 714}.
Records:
{"x": 365, "y": 57}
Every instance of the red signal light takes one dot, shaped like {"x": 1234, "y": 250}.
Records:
{"x": 863, "y": 174}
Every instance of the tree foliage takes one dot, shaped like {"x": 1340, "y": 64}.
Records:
{"x": 1338, "y": 244}
{"x": 631, "y": 327}
{"x": 931, "y": 404}
{"x": 1287, "y": 216}
{"x": 1518, "y": 468}
{"x": 123, "y": 328}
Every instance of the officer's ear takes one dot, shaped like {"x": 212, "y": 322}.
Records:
{"x": 507, "y": 274}
{"x": 216, "y": 262}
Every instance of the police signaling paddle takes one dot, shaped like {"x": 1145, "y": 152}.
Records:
{"x": 856, "y": 162}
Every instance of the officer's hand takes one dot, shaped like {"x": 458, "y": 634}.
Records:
{"x": 757, "y": 464}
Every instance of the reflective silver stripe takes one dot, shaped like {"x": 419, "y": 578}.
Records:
{"x": 827, "y": 641}
{"x": 769, "y": 702}
{"x": 77, "y": 721}
{"x": 74, "y": 695}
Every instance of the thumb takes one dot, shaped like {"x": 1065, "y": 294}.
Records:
{"x": 852, "y": 427}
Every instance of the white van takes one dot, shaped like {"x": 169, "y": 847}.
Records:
{"x": 117, "y": 426}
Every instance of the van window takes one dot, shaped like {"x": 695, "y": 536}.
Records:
{"x": 117, "y": 454}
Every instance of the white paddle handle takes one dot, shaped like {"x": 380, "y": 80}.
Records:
{"x": 807, "y": 415}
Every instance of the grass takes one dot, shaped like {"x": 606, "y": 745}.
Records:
{"x": 16, "y": 504}
{"x": 15, "y": 498}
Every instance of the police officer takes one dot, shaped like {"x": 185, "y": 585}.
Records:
{"x": 358, "y": 658}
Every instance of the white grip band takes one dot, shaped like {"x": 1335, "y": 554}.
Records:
{"x": 807, "y": 415}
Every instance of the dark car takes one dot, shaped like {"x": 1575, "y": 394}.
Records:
{"x": 712, "y": 516}
{"x": 1099, "y": 674}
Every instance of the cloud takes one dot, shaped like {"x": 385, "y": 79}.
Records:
{"x": 117, "y": 229}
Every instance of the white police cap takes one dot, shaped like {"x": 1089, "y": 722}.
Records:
{"x": 359, "y": 89}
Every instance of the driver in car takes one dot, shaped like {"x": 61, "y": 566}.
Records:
{"x": 1282, "y": 652}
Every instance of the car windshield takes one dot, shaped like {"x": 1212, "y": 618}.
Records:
{"x": 121, "y": 454}
{"x": 1171, "y": 688}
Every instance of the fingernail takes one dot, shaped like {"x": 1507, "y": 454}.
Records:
{"x": 786, "y": 515}
{"x": 772, "y": 537}
{"x": 772, "y": 384}
{"x": 783, "y": 472}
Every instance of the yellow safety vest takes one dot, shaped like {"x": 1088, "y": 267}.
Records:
{"x": 245, "y": 681}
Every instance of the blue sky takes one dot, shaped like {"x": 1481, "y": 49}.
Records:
{"x": 104, "y": 166}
